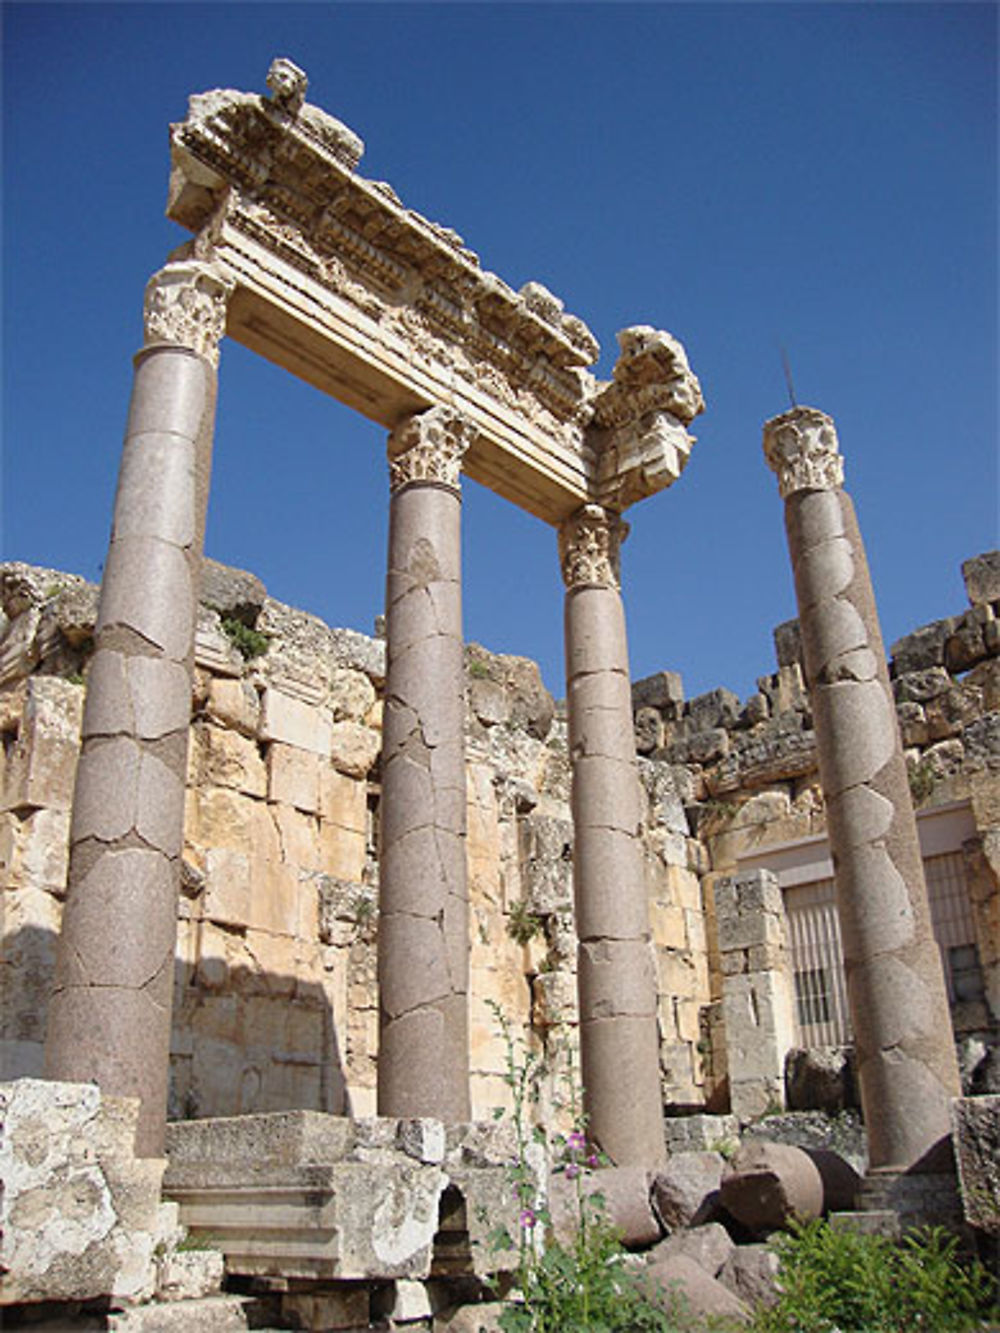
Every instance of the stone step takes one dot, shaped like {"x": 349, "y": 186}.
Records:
{"x": 209, "y": 1314}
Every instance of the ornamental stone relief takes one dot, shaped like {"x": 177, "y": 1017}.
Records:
{"x": 429, "y": 447}
{"x": 185, "y": 304}
{"x": 801, "y": 448}
{"x": 590, "y": 548}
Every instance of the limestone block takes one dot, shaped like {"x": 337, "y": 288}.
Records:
{"x": 922, "y": 649}
{"x": 353, "y": 748}
{"x": 663, "y": 690}
{"x": 976, "y": 1136}
{"x": 625, "y": 1191}
{"x": 224, "y": 758}
{"x": 701, "y": 1133}
{"x": 483, "y": 1317}
{"x": 78, "y": 1209}
{"x": 274, "y": 897}
{"x": 342, "y": 800}
{"x": 34, "y": 849}
{"x": 41, "y": 768}
{"x": 233, "y": 703}
{"x": 188, "y": 1274}
{"x": 341, "y": 852}
{"x": 232, "y": 592}
{"x": 227, "y": 886}
{"x": 223, "y": 817}
{"x": 293, "y": 777}
{"x": 668, "y": 926}
{"x": 289, "y": 720}
{"x": 31, "y": 920}
{"x": 982, "y": 577}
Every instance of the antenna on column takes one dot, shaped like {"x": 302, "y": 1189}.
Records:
{"x": 788, "y": 377}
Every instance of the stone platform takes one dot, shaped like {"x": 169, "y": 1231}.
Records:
{"x": 301, "y": 1195}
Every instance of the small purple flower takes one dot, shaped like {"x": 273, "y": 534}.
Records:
{"x": 527, "y": 1218}
{"x": 572, "y": 1171}
{"x": 592, "y": 1160}
{"x": 576, "y": 1142}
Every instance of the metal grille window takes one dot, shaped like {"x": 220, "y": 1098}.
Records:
{"x": 817, "y": 958}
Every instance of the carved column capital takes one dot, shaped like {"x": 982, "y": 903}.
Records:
{"x": 590, "y": 546}
{"x": 429, "y": 447}
{"x": 801, "y": 448}
{"x": 185, "y": 304}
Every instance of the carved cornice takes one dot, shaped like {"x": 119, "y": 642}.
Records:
{"x": 294, "y": 189}
{"x": 185, "y": 304}
{"x": 428, "y": 448}
{"x": 801, "y": 448}
{"x": 590, "y": 548}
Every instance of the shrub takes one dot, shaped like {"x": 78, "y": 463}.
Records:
{"x": 844, "y": 1280}
{"x": 249, "y": 643}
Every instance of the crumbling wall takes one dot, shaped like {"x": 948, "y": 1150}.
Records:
{"x": 275, "y": 1003}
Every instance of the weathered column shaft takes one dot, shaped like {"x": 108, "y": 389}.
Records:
{"x": 109, "y": 1019}
{"x": 907, "y": 1068}
{"x": 423, "y": 938}
{"x": 619, "y": 1041}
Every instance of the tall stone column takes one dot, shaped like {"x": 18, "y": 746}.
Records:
{"x": 109, "y": 1019}
{"x": 423, "y": 937}
{"x": 899, "y": 1008}
{"x": 619, "y": 1041}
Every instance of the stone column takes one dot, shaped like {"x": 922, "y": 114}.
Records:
{"x": 907, "y": 1069}
{"x": 619, "y": 1040}
{"x": 109, "y": 1019}
{"x": 423, "y": 937}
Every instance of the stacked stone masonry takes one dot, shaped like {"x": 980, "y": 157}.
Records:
{"x": 275, "y": 1002}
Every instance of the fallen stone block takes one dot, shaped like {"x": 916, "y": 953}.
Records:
{"x": 704, "y": 1294}
{"x": 976, "y": 1136}
{"x": 768, "y": 1185}
{"x": 619, "y": 1194}
{"x": 687, "y": 1188}
{"x": 710, "y": 1245}
{"x": 751, "y": 1273}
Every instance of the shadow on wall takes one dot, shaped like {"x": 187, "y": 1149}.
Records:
{"x": 249, "y": 1040}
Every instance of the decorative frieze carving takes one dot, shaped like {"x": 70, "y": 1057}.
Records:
{"x": 801, "y": 448}
{"x": 429, "y": 447}
{"x": 651, "y": 375}
{"x": 644, "y": 412}
{"x": 590, "y": 548}
{"x": 185, "y": 304}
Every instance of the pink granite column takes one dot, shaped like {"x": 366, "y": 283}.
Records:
{"x": 109, "y": 1019}
{"x": 899, "y": 1007}
{"x": 619, "y": 1040}
{"x": 423, "y": 938}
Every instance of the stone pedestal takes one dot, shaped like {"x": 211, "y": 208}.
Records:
{"x": 756, "y": 990}
{"x": 109, "y": 1020}
{"x": 907, "y": 1069}
{"x": 619, "y": 1043}
{"x": 423, "y": 938}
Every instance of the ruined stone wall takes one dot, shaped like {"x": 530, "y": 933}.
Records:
{"x": 753, "y": 780}
{"x": 275, "y": 1002}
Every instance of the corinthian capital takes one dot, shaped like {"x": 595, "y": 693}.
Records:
{"x": 801, "y": 448}
{"x": 185, "y": 305}
{"x": 429, "y": 447}
{"x": 589, "y": 548}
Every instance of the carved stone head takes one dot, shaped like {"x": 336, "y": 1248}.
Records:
{"x": 288, "y": 85}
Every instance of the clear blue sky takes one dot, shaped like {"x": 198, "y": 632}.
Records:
{"x": 822, "y": 176}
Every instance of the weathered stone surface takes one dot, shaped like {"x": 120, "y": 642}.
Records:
{"x": 189, "y": 1274}
{"x": 788, "y": 643}
{"x": 751, "y": 1273}
{"x": 703, "y": 1293}
{"x": 626, "y": 1204}
{"x": 79, "y": 1211}
{"x": 923, "y": 649}
{"x": 982, "y": 577}
{"x": 709, "y": 1245}
{"x": 976, "y": 1137}
{"x": 767, "y": 1185}
{"x": 480, "y": 1318}
{"x": 663, "y": 691}
{"x": 820, "y": 1079}
{"x": 232, "y": 592}
{"x": 686, "y": 1189}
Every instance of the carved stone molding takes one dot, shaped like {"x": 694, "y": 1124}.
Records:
{"x": 185, "y": 304}
{"x": 590, "y": 548}
{"x": 651, "y": 374}
{"x": 429, "y": 447}
{"x": 801, "y": 448}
